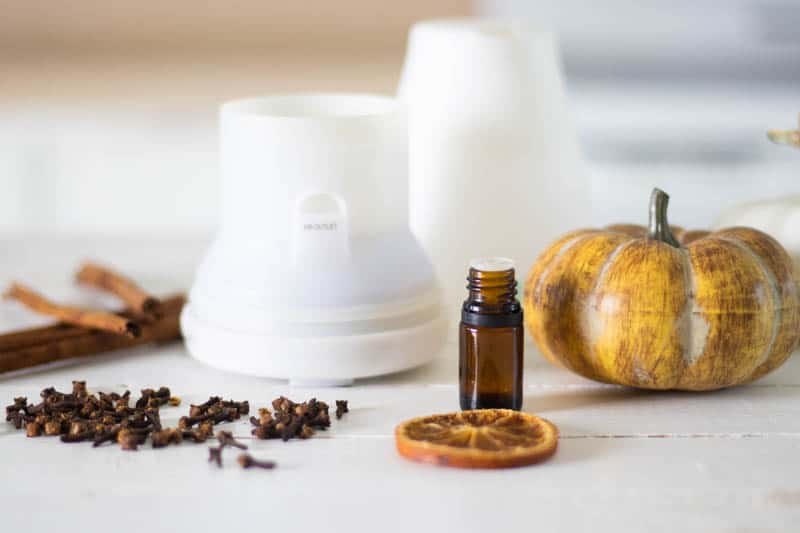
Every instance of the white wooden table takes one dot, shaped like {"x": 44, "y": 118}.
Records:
{"x": 627, "y": 460}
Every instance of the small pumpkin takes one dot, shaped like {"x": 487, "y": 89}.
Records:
{"x": 640, "y": 307}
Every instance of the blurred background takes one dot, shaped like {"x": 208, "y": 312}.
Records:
{"x": 108, "y": 108}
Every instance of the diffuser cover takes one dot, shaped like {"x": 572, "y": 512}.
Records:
{"x": 314, "y": 274}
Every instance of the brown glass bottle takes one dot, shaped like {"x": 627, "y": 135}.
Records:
{"x": 491, "y": 338}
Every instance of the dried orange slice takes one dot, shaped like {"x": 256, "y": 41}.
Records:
{"x": 484, "y": 438}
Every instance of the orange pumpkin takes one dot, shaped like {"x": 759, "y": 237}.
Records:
{"x": 640, "y": 307}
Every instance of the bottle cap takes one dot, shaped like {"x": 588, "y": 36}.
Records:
{"x": 492, "y": 264}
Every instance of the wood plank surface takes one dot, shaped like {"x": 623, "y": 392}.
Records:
{"x": 627, "y": 460}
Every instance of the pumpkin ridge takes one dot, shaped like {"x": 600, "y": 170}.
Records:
{"x": 785, "y": 270}
{"x": 732, "y": 290}
{"x": 537, "y": 290}
{"x": 554, "y": 314}
{"x": 590, "y": 306}
{"x": 694, "y": 313}
{"x": 534, "y": 294}
{"x": 772, "y": 281}
{"x": 632, "y": 327}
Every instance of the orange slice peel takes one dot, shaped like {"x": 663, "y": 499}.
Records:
{"x": 485, "y": 438}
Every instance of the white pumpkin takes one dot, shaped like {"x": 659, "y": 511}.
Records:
{"x": 779, "y": 218}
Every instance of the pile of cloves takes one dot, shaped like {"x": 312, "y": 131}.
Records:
{"x": 205, "y": 416}
{"x": 215, "y": 410}
{"x": 79, "y": 416}
{"x": 293, "y": 420}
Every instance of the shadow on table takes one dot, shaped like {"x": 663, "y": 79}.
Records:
{"x": 567, "y": 399}
{"x": 553, "y": 400}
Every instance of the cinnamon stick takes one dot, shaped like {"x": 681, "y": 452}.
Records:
{"x": 92, "y": 342}
{"x": 58, "y": 332}
{"x": 36, "y": 336}
{"x": 100, "y": 320}
{"x": 125, "y": 289}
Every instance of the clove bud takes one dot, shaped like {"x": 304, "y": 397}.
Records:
{"x": 215, "y": 455}
{"x": 33, "y": 429}
{"x": 292, "y": 420}
{"x": 225, "y": 438}
{"x": 246, "y": 460}
{"x": 341, "y": 408}
{"x": 165, "y": 437}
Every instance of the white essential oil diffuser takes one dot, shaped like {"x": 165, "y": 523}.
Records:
{"x": 495, "y": 168}
{"x": 314, "y": 275}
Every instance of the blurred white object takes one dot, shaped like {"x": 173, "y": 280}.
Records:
{"x": 314, "y": 275}
{"x": 654, "y": 112}
{"x": 779, "y": 218}
{"x": 745, "y": 40}
{"x": 494, "y": 162}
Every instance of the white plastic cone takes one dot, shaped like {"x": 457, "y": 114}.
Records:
{"x": 495, "y": 168}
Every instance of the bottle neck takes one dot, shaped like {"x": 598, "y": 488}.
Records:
{"x": 492, "y": 295}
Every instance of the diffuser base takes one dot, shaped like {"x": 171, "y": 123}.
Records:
{"x": 332, "y": 360}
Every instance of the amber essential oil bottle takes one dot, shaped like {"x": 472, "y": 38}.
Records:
{"x": 491, "y": 338}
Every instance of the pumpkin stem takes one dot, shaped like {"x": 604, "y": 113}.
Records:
{"x": 659, "y": 227}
